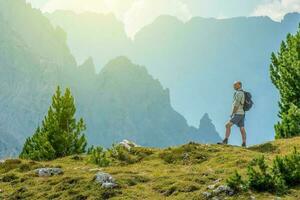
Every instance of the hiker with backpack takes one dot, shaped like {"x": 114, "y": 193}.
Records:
{"x": 241, "y": 103}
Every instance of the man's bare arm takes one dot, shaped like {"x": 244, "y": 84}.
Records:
{"x": 235, "y": 109}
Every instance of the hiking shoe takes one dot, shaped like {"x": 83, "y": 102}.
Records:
{"x": 225, "y": 141}
{"x": 244, "y": 145}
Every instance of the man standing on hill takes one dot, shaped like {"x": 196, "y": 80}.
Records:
{"x": 238, "y": 113}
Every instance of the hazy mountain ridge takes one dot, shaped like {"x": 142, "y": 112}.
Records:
{"x": 29, "y": 75}
{"x": 204, "y": 55}
{"x": 104, "y": 32}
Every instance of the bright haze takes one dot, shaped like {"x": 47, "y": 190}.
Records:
{"x": 135, "y": 14}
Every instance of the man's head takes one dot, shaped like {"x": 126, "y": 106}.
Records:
{"x": 237, "y": 85}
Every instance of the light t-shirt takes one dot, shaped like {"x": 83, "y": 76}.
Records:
{"x": 238, "y": 100}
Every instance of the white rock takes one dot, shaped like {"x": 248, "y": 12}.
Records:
{"x": 48, "y": 171}
{"x": 224, "y": 188}
{"x": 128, "y": 144}
{"x": 105, "y": 180}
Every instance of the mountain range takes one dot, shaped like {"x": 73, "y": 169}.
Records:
{"x": 122, "y": 101}
{"x": 197, "y": 60}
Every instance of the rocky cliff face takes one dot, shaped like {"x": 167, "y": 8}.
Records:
{"x": 131, "y": 104}
{"x": 123, "y": 101}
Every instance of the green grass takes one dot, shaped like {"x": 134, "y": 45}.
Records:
{"x": 174, "y": 173}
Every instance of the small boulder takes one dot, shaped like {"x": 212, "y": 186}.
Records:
{"x": 48, "y": 171}
{"x": 224, "y": 189}
{"x": 105, "y": 180}
{"x": 207, "y": 195}
{"x": 128, "y": 144}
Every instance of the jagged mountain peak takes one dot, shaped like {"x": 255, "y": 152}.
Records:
{"x": 124, "y": 67}
{"x": 88, "y": 66}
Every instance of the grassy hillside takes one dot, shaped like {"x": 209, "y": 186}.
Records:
{"x": 182, "y": 172}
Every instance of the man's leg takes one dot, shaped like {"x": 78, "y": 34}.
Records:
{"x": 243, "y": 132}
{"x": 228, "y": 130}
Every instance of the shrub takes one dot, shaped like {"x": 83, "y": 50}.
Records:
{"x": 90, "y": 149}
{"x": 288, "y": 167}
{"x": 141, "y": 152}
{"x": 9, "y": 177}
{"x": 186, "y": 154}
{"x": 261, "y": 177}
{"x": 25, "y": 167}
{"x": 98, "y": 156}
{"x": 283, "y": 174}
{"x": 9, "y": 165}
{"x": 236, "y": 182}
{"x": 122, "y": 154}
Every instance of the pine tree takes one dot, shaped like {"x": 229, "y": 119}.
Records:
{"x": 285, "y": 74}
{"x": 38, "y": 147}
{"x": 60, "y": 134}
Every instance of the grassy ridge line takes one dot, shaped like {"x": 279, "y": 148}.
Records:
{"x": 174, "y": 173}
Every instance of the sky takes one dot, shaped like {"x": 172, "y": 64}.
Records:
{"x": 135, "y": 14}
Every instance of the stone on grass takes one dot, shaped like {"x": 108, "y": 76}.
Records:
{"x": 105, "y": 180}
{"x": 48, "y": 171}
{"x": 128, "y": 144}
{"x": 224, "y": 189}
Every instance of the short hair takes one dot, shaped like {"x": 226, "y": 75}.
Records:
{"x": 238, "y": 82}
